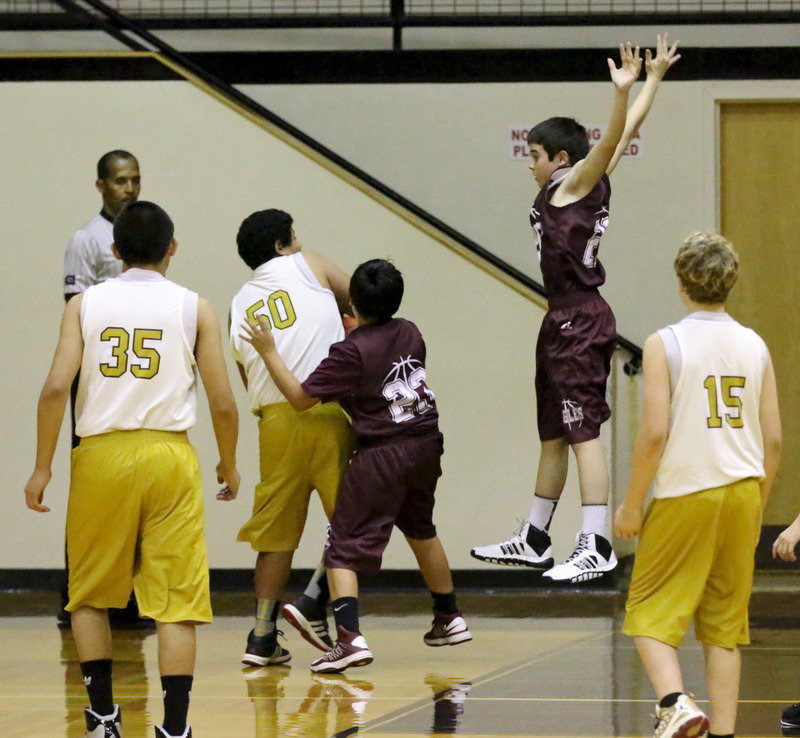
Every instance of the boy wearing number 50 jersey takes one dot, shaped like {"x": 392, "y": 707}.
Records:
{"x": 135, "y": 514}
{"x": 378, "y": 374}
{"x": 710, "y": 439}
{"x": 301, "y": 295}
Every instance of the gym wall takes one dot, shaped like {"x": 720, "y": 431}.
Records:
{"x": 209, "y": 167}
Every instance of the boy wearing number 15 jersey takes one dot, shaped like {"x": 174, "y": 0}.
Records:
{"x": 301, "y": 295}
{"x": 709, "y": 439}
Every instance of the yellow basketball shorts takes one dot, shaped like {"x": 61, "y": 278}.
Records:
{"x": 300, "y": 452}
{"x": 135, "y": 519}
{"x": 695, "y": 559}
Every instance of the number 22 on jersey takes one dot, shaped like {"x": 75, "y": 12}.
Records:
{"x": 726, "y": 387}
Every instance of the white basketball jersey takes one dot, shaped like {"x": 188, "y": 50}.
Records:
{"x": 302, "y": 315}
{"x": 138, "y": 369}
{"x": 715, "y": 434}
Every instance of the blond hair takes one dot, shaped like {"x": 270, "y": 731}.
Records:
{"x": 707, "y": 266}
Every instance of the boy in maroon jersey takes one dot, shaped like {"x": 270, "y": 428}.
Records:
{"x": 578, "y": 333}
{"x": 378, "y": 376}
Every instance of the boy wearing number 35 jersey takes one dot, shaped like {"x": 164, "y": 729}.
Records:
{"x": 710, "y": 440}
{"x": 378, "y": 375}
{"x": 135, "y": 512}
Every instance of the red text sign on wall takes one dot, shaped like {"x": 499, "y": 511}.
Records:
{"x": 518, "y": 142}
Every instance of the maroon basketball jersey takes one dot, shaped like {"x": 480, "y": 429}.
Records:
{"x": 568, "y": 238}
{"x": 378, "y": 376}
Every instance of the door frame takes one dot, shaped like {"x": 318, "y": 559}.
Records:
{"x": 714, "y": 95}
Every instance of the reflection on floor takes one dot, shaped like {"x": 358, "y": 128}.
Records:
{"x": 545, "y": 676}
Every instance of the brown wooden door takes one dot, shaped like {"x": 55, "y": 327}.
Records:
{"x": 760, "y": 209}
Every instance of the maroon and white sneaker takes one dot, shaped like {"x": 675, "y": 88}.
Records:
{"x": 350, "y": 649}
{"x": 449, "y": 629}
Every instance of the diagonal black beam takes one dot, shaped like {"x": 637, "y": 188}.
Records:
{"x": 73, "y": 8}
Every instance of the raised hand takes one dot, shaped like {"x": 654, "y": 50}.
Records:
{"x": 624, "y": 77}
{"x": 665, "y": 57}
{"x": 631, "y": 61}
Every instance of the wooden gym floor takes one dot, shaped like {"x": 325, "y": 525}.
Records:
{"x": 532, "y": 676}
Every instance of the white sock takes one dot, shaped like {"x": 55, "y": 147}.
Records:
{"x": 594, "y": 519}
{"x": 542, "y": 512}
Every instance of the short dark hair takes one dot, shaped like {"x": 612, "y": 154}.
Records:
{"x": 376, "y": 289}
{"x": 561, "y": 134}
{"x": 104, "y": 164}
{"x": 142, "y": 233}
{"x": 259, "y": 233}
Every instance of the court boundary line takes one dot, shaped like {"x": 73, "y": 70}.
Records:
{"x": 484, "y": 679}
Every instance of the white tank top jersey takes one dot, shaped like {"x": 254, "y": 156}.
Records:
{"x": 716, "y": 373}
{"x": 138, "y": 369}
{"x": 303, "y": 316}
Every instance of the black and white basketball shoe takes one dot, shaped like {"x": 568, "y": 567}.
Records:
{"x": 265, "y": 650}
{"x": 99, "y": 726}
{"x": 592, "y": 557}
{"x": 790, "y": 720}
{"x": 529, "y": 546}
{"x": 161, "y": 733}
{"x": 309, "y": 618}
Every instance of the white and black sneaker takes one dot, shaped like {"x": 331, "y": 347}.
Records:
{"x": 100, "y": 726}
{"x": 790, "y": 720}
{"x": 683, "y": 720}
{"x": 529, "y": 546}
{"x": 309, "y": 618}
{"x": 592, "y": 557}
{"x": 265, "y": 650}
{"x": 161, "y": 733}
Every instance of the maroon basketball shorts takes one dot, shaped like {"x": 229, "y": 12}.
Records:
{"x": 383, "y": 486}
{"x": 573, "y": 361}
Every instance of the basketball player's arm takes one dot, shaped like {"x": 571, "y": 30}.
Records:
{"x": 242, "y": 372}
{"x": 260, "y": 336}
{"x": 331, "y": 275}
{"x": 53, "y": 401}
{"x": 585, "y": 175}
{"x": 656, "y": 69}
{"x": 224, "y": 413}
{"x": 650, "y": 440}
{"x": 769, "y": 417}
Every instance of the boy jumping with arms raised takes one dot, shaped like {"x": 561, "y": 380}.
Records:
{"x": 578, "y": 333}
{"x": 378, "y": 375}
{"x": 710, "y": 438}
